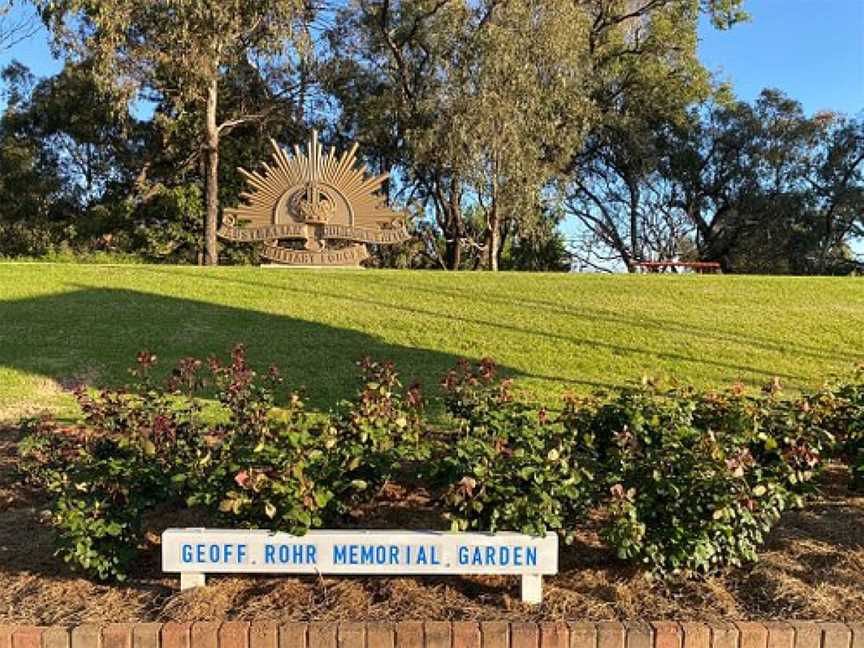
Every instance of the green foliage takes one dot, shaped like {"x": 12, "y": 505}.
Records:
{"x": 689, "y": 482}
{"x": 63, "y": 254}
{"x": 105, "y": 475}
{"x": 249, "y": 464}
{"x": 510, "y": 467}
{"x": 168, "y": 225}
{"x": 694, "y": 481}
{"x": 481, "y": 105}
{"x": 63, "y": 147}
{"x": 289, "y": 470}
{"x": 272, "y": 476}
{"x": 783, "y": 436}
{"x": 379, "y": 431}
{"x": 28, "y": 240}
{"x": 99, "y": 510}
{"x": 791, "y": 184}
{"x": 770, "y": 189}
{"x": 544, "y": 251}
{"x": 838, "y": 410}
{"x": 489, "y": 115}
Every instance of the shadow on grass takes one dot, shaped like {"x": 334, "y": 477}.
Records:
{"x": 92, "y": 335}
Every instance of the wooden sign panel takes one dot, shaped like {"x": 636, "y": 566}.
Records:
{"x": 196, "y": 552}
{"x": 321, "y": 202}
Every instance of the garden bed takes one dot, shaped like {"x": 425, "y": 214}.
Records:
{"x": 812, "y": 567}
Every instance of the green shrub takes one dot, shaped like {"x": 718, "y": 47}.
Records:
{"x": 382, "y": 428}
{"x": 689, "y": 482}
{"x": 106, "y": 474}
{"x": 784, "y": 437}
{"x": 510, "y": 467}
{"x": 288, "y": 470}
{"x": 272, "y": 476}
{"x": 250, "y": 463}
{"x": 685, "y": 489}
{"x": 99, "y": 509}
{"x": 839, "y": 410}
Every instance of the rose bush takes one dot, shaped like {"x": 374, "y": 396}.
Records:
{"x": 686, "y": 481}
{"x": 510, "y": 466}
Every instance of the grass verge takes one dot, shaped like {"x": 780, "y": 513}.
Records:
{"x": 64, "y": 324}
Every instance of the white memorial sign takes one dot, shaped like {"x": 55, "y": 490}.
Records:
{"x": 196, "y": 552}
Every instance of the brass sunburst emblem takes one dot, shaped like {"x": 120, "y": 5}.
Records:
{"x": 313, "y": 199}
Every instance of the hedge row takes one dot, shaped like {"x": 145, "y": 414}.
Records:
{"x": 689, "y": 481}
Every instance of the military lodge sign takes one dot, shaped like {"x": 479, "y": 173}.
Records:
{"x": 323, "y": 205}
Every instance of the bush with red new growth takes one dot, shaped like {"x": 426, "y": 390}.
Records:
{"x": 690, "y": 482}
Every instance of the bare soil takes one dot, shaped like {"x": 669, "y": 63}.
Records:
{"x": 812, "y": 568}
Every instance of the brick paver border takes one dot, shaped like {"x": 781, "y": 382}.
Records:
{"x": 438, "y": 634}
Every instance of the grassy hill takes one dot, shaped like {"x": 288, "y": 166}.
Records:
{"x": 64, "y": 323}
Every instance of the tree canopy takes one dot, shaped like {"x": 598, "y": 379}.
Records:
{"x": 503, "y": 124}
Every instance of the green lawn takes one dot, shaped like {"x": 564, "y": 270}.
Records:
{"x": 62, "y": 323}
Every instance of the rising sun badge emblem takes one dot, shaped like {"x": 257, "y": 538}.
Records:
{"x": 322, "y": 207}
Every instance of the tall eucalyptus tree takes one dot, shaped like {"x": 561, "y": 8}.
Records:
{"x": 179, "y": 51}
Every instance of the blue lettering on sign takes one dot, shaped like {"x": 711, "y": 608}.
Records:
{"x": 340, "y": 554}
{"x": 490, "y": 555}
{"x": 384, "y": 554}
{"x": 501, "y": 556}
{"x": 463, "y": 555}
{"x": 213, "y": 553}
{"x": 290, "y": 554}
{"x": 422, "y": 555}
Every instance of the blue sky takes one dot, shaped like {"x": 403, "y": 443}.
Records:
{"x": 811, "y": 49}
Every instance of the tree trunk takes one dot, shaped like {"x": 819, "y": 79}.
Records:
{"x": 494, "y": 242}
{"x": 635, "y": 251}
{"x": 505, "y": 230}
{"x": 453, "y": 231}
{"x": 211, "y": 182}
{"x": 453, "y": 254}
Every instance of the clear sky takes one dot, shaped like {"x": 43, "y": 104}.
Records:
{"x": 813, "y": 50}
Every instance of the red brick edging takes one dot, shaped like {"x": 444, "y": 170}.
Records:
{"x": 438, "y": 634}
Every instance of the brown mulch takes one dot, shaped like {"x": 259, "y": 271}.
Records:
{"x": 812, "y": 567}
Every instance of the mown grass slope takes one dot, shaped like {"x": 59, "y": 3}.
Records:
{"x": 61, "y": 324}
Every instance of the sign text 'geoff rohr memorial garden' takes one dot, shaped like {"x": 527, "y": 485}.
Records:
{"x": 196, "y": 552}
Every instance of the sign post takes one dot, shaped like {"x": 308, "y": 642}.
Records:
{"x": 195, "y": 552}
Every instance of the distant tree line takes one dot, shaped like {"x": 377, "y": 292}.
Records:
{"x": 518, "y": 134}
